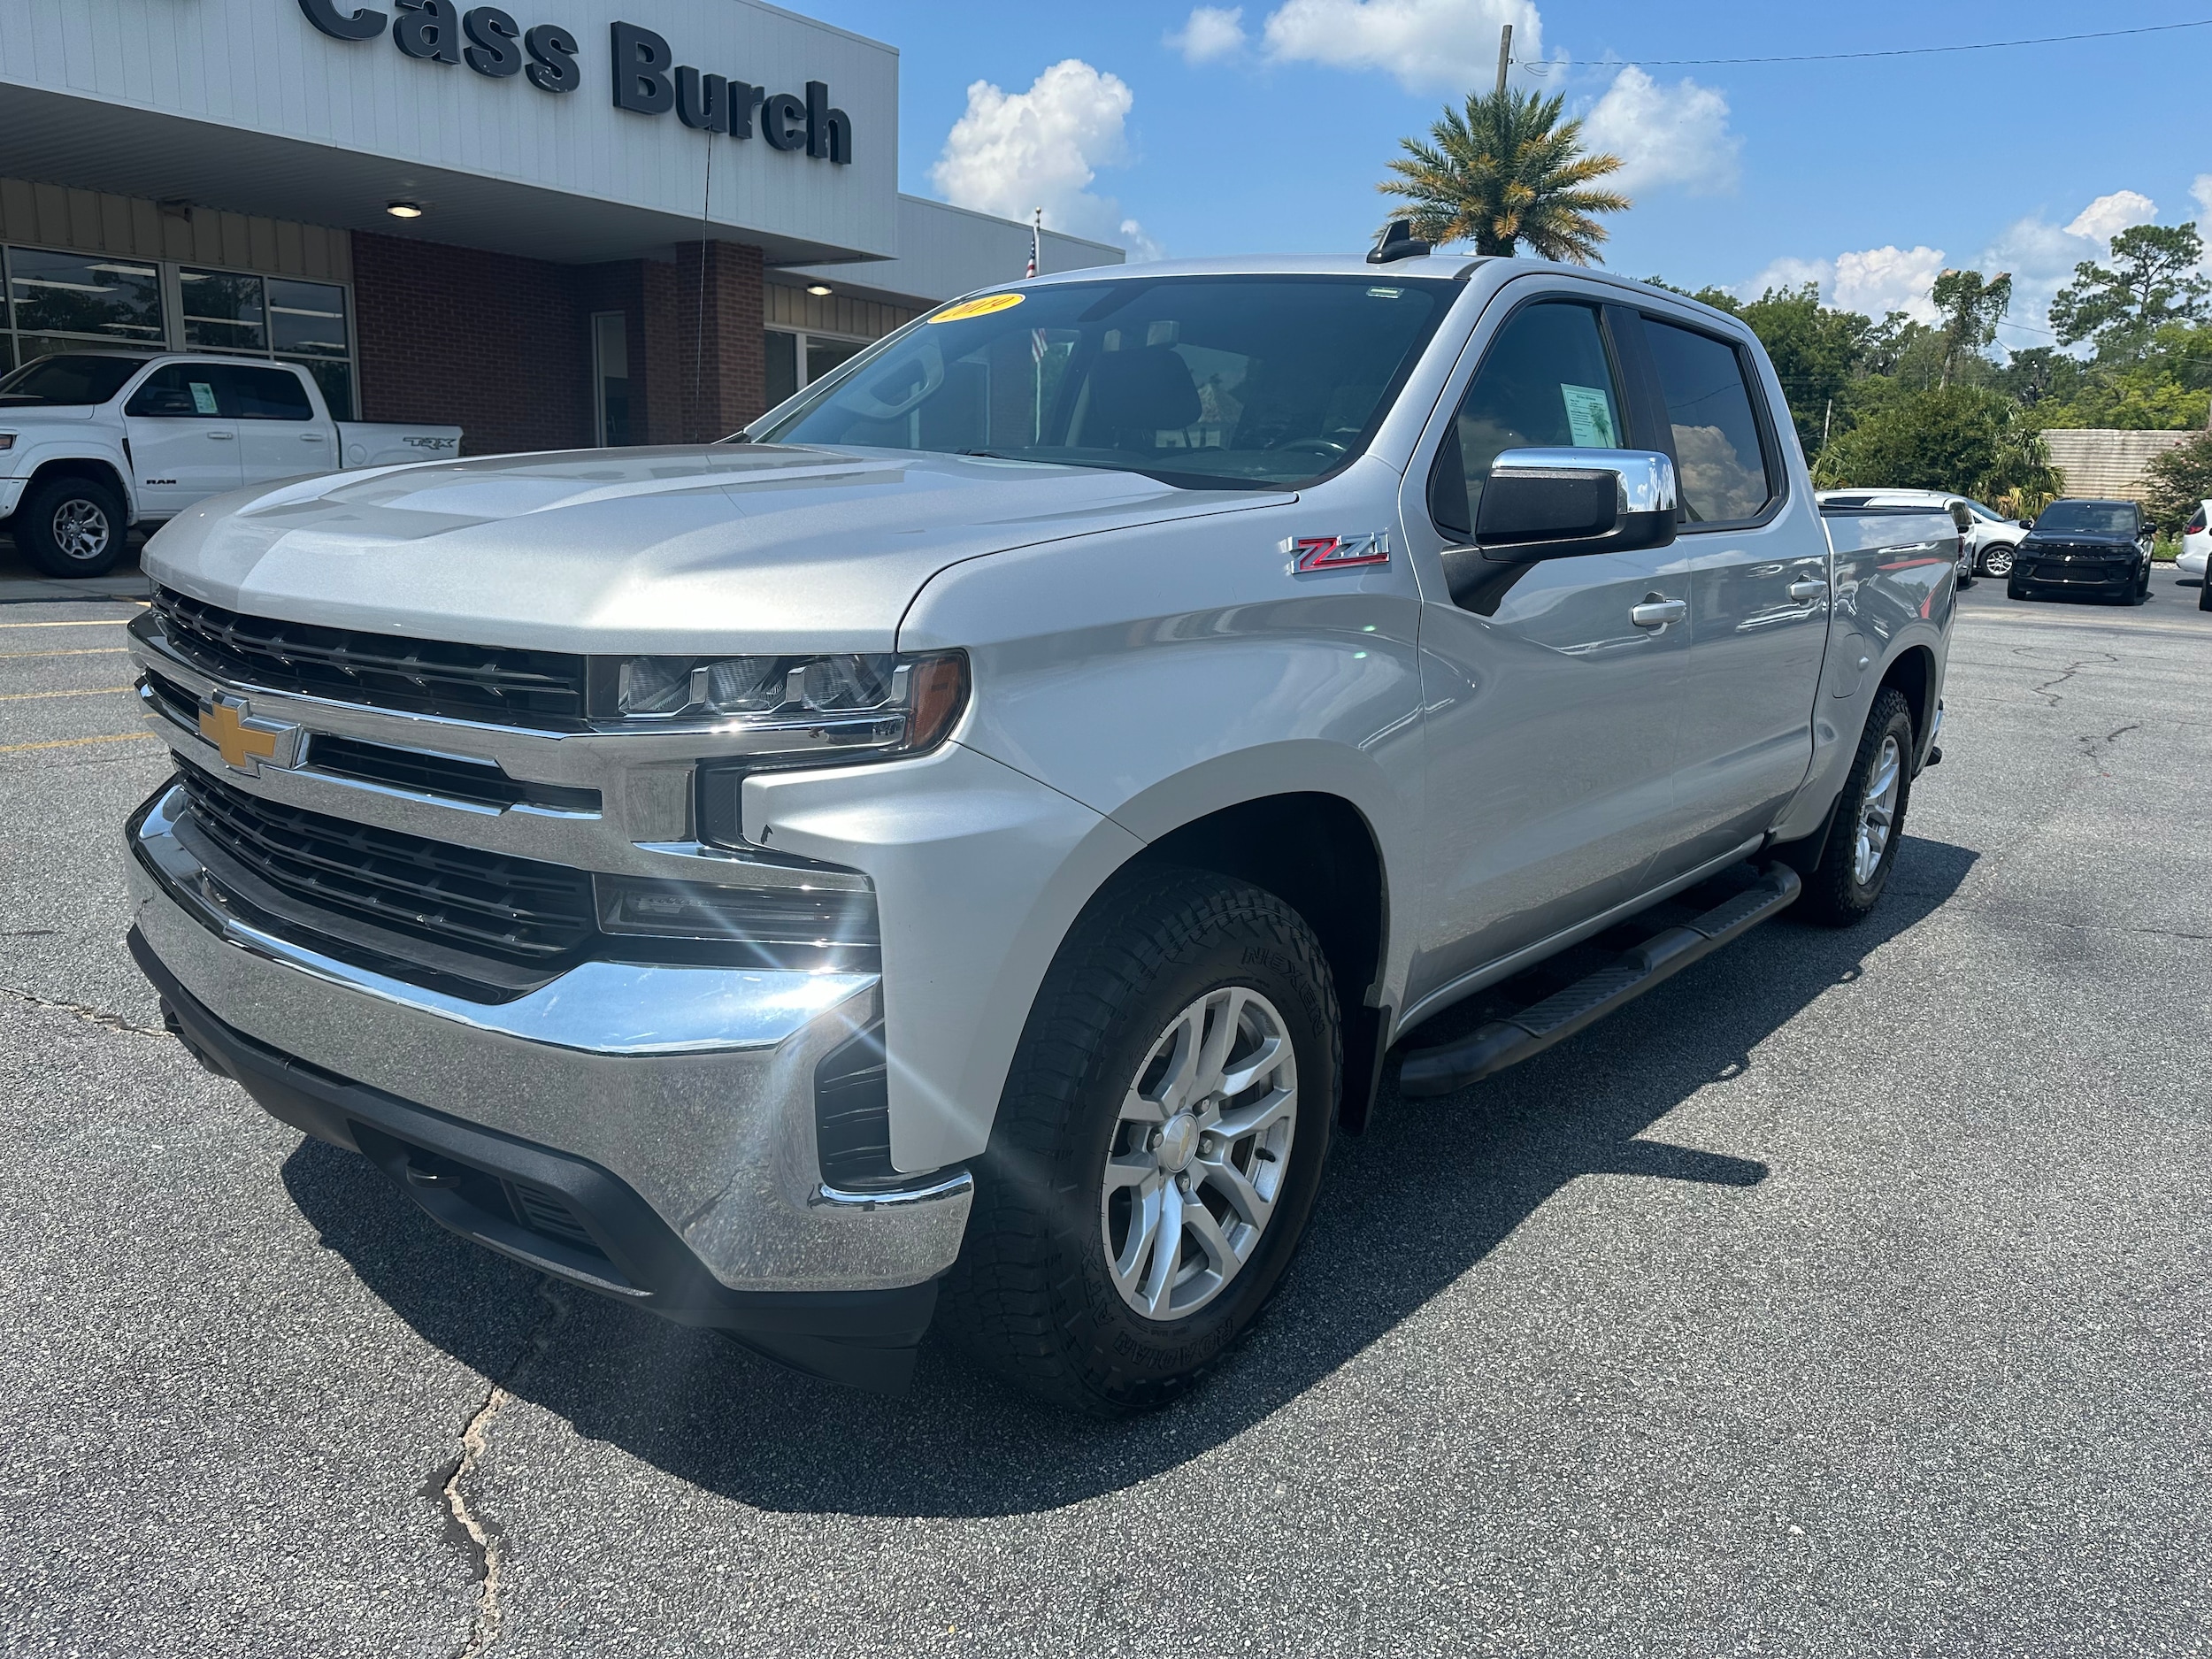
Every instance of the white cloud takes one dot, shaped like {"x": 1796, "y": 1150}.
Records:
{"x": 2042, "y": 256}
{"x": 2201, "y": 192}
{"x": 1141, "y": 246}
{"x": 1676, "y": 135}
{"x": 1011, "y": 153}
{"x": 1208, "y": 33}
{"x": 1425, "y": 44}
{"x": 1788, "y": 272}
{"x": 2108, "y": 215}
{"x": 1873, "y": 280}
{"x": 1879, "y": 280}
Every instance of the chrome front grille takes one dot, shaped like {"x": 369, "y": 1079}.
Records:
{"x": 497, "y": 685}
{"x": 515, "y": 908}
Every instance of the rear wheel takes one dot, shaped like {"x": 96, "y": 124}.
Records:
{"x": 1870, "y": 821}
{"x": 1997, "y": 561}
{"x": 70, "y": 527}
{"x": 1158, "y": 1148}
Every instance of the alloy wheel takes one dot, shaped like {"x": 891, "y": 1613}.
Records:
{"x": 1997, "y": 561}
{"x": 1199, "y": 1153}
{"x": 81, "y": 530}
{"x": 1877, "y": 810}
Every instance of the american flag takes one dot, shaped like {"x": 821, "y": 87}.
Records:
{"x": 1036, "y": 237}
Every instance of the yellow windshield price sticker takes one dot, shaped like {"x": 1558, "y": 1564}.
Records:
{"x": 983, "y": 307}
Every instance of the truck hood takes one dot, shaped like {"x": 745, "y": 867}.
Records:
{"x": 707, "y": 548}
{"x": 15, "y": 416}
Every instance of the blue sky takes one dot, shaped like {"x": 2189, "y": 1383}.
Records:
{"x": 1868, "y": 176}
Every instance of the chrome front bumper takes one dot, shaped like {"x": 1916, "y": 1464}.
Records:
{"x": 694, "y": 1086}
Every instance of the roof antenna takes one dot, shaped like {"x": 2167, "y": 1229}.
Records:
{"x": 1397, "y": 241}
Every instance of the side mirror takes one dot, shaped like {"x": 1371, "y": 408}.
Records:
{"x": 2027, "y": 523}
{"x": 1560, "y": 503}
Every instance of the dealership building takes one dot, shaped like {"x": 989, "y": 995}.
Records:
{"x": 572, "y": 222}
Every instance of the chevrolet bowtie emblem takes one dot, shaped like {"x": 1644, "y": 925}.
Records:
{"x": 245, "y": 743}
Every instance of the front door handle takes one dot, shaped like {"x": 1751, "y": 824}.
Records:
{"x": 1805, "y": 593}
{"x": 225, "y": 436}
{"x": 311, "y": 437}
{"x": 1655, "y": 612}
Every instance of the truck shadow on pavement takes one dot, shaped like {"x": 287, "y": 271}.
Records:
{"x": 1424, "y": 1195}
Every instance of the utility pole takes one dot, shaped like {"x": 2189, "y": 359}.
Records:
{"x": 1505, "y": 55}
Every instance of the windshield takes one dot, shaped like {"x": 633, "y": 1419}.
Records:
{"x": 1241, "y": 381}
{"x": 2088, "y": 518}
{"x": 68, "y": 379}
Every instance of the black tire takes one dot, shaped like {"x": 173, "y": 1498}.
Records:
{"x": 2204, "y": 594}
{"x": 1034, "y": 1293}
{"x": 1834, "y": 894}
{"x": 70, "y": 527}
{"x": 2013, "y": 590}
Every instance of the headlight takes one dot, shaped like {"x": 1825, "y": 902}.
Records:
{"x": 795, "y": 708}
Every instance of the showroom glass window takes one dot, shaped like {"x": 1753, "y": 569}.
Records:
{"x": 59, "y": 300}
{"x": 68, "y": 302}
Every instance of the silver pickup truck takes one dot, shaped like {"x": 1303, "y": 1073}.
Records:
{"x": 975, "y": 836}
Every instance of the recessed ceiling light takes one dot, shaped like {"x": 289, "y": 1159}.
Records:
{"x": 822, "y": 288}
{"x": 403, "y": 210}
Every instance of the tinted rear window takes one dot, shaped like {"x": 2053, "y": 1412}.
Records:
{"x": 1724, "y": 474}
{"x": 265, "y": 394}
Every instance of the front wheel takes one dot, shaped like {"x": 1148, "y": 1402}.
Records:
{"x": 2204, "y": 595}
{"x": 70, "y": 527}
{"x": 2013, "y": 590}
{"x": 1870, "y": 821}
{"x": 1997, "y": 561}
{"x": 1158, "y": 1145}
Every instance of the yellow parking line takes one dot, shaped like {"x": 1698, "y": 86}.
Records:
{"x": 104, "y": 622}
{"x": 82, "y": 650}
{"x": 72, "y": 742}
{"x": 88, "y": 691}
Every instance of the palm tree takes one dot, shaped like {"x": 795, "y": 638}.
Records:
{"x": 1505, "y": 172}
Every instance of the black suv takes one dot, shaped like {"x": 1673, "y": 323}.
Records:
{"x": 2101, "y": 548}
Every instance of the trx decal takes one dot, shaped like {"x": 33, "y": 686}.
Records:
{"x": 1336, "y": 552}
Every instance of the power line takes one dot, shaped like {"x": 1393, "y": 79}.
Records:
{"x": 1918, "y": 51}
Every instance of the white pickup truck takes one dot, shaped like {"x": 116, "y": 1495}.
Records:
{"x": 92, "y": 442}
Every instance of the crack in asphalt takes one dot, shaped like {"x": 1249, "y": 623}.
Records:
{"x": 98, "y": 1017}
{"x": 477, "y": 1536}
{"x": 2094, "y": 747}
{"x": 2046, "y": 690}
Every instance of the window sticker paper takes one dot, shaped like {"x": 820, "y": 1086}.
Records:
{"x": 1590, "y": 417}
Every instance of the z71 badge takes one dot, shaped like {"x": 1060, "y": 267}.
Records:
{"x": 1335, "y": 552}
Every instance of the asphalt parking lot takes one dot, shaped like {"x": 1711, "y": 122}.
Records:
{"x": 1851, "y": 1294}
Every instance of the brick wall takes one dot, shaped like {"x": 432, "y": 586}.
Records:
{"x": 720, "y": 368}
{"x": 492, "y": 343}
{"x": 501, "y": 346}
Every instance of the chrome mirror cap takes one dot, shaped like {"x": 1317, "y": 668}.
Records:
{"x": 1645, "y": 478}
